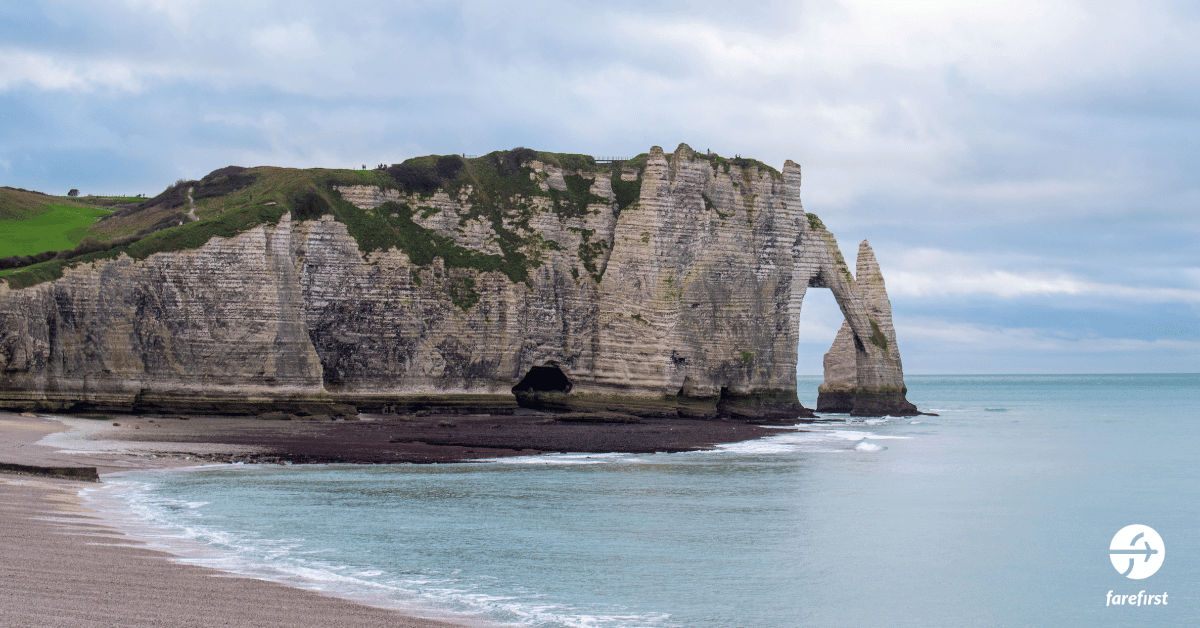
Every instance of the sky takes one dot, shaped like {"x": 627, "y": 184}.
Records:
{"x": 1024, "y": 171}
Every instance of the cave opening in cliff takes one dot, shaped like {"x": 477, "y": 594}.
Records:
{"x": 548, "y": 378}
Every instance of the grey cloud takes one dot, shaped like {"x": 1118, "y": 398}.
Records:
{"x": 1057, "y": 138}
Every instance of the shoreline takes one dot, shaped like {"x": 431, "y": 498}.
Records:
{"x": 67, "y": 565}
{"x": 92, "y": 570}
{"x": 119, "y": 509}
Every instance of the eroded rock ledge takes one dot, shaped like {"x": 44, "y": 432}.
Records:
{"x": 681, "y": 300}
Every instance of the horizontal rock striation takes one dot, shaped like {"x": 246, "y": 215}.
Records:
{"x": 674, "y": 287}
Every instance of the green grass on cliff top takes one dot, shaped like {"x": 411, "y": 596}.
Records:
{"x": 61, "y": 227}
{"x": 498, "y": 186}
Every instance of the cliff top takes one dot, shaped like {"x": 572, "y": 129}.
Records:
{"x": 498, "y": 188}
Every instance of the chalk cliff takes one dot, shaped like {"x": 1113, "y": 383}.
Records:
{"x": 671, "y": 283}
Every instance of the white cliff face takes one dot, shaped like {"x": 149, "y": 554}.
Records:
{"x": 698, "y": 291}
{"x": 695, "y": 293}
{"x": 694, "y": 289}
{"x": 368, "y": 196}
{"x": 222, "y": 319}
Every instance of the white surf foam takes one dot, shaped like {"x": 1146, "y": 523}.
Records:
{"x": 797, "y": 438}
{"x": 563, "y": 459}
{"x": 172, "y": 526}
{"x": 856, "y": 435}
{"x": 169, "y": 525}
{"x": 808, "y": 440}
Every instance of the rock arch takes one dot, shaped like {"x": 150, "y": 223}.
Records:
{"x": 863, "y": 372}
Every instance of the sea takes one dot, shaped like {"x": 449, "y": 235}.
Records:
{"x": 999, "y": 511}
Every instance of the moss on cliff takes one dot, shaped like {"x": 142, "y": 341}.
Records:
{"x": 627, "y": 192}
{"x": 498, "y": 189}
{"x": 745, "y": 164}
{"x": 496, "y": 184}
{"x": 589, "y": 251}
{"x": 877, "y": 337}
{"x": 392, "y": 225}
{"x": 462, "y": 293}
{"x": 574, "y": 202}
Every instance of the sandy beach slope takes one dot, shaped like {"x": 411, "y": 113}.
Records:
{"x": 62, "y": 566}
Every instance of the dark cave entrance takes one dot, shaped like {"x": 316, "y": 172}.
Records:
{"x": 543, "y": 379}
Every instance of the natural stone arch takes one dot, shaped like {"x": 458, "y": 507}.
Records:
{"x": 863, "y": 372}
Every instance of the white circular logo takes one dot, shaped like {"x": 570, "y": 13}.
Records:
{"x": 1137, "y": 551}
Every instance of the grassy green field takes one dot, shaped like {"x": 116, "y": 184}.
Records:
{"x": 61, "y": 228}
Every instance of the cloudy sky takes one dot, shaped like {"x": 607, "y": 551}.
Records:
{"x": 1025, "y": 171}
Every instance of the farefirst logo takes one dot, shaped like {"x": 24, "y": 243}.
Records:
{"x": 1136, "y": 552}
{"x": 1133, "y": 543}
{"x": 1141, "y": 599}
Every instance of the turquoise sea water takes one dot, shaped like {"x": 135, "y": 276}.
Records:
{"x": 998, "y": 512}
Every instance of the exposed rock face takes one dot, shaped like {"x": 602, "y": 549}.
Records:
{"x": 863, "y": 374}
{"x": 836, "y": 393}
{"x": 223, "y": 321}
{"x": 687, "y": 300}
